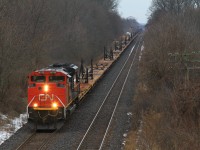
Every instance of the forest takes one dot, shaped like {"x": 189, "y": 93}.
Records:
{"x": 167, "y": 101}
{"x": 36, "y": 33}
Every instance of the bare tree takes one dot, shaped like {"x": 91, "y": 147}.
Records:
{"x": 34, "y": 33}
{"x": 168, "y": 91}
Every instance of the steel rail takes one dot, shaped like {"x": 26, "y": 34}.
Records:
{"x": 107, "y": 129}
{"x": 26, "y": 141}
{"x": 89, "y": 128}
{"x": 40, "y": 146}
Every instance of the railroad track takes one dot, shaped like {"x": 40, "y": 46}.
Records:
{"x": 97, "y": 131}
{"x": 37, "y": 141}
{"x": 41, "y": 140}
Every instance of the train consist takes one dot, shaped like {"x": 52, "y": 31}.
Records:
{"x": 55, "y": 91}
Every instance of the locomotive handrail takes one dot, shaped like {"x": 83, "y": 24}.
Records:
{"x": 29, "y": 105}
{"x": 63, "y": 105}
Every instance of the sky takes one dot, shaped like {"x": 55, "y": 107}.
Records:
{"x": 139, "y": 9}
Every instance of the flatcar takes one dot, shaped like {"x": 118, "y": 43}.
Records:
{"x": 53, "y": 94}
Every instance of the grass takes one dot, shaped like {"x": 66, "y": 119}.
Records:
{"x": 131, "y": 141}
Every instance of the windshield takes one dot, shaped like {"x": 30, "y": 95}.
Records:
{"x": 38, "y": 78}
{"x": 56, "y": 78}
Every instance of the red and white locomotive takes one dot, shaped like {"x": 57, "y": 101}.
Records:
{"x": 53, "y": 93}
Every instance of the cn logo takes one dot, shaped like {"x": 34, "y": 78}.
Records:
{"x": 45, "y": 97}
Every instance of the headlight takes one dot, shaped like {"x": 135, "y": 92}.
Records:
{"x": 54, "y": 105}
{"x": 35, "y": 105}
{"x": 46, "y": 88}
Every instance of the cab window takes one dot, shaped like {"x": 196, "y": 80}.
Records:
{"x": 38, "y": 78}
{"x": 56, "y": 78}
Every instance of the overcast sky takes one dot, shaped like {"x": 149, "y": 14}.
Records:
{"x": 139, "y": 9}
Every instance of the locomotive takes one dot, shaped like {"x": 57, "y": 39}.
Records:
{"x": 53, "y": 94}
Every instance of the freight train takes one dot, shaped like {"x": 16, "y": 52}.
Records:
{"x": 53, "y": 94}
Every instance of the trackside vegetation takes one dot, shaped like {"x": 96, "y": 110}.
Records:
{"x": 167, "y": 102}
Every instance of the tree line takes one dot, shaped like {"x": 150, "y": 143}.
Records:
{"x": 167, "y": 103}
{"x": 36, "y": 33}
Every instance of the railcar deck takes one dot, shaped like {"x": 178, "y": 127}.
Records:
{"x": 100, "y": 69}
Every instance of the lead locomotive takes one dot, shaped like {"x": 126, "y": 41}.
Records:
{"x": 53, "y": 93}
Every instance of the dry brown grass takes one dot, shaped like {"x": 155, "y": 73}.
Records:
{"x": 131, "y": 141}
